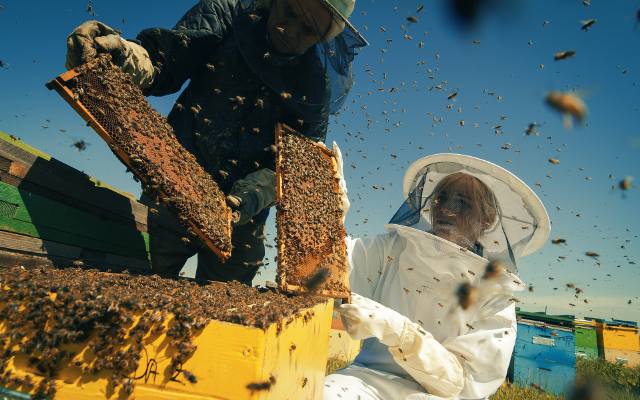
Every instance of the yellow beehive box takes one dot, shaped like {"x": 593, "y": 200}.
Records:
{"x": 232, "y": 362}
{"x": 286, "y": 360}
{"x": 342, "y": 348}
{"x": 621, "y": 344}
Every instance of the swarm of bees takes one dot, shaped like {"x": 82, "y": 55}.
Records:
{"x": 154, "y": 154}
{"x": 43, "y": 310}
{"x": 311, "y": 247}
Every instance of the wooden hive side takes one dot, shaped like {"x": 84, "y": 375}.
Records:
{"x": 175, "y": 195}
{"x": 329, "y": 253}
{"x": 232, "y": 361}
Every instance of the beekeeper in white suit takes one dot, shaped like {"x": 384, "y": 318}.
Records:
{"x": 433, "y": 296}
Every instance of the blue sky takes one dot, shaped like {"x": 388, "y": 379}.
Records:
{"x": 495, "y": 68}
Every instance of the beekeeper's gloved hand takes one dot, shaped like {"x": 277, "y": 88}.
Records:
{"x": 365, "y": 318}
{"x": 252, "y": 194}
{"x": 343, "y": 184}
{"x": 93, "y": 37}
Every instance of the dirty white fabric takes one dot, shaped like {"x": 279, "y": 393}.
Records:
{"x": 441, "y": 351}
{"x": 344, "y": 198}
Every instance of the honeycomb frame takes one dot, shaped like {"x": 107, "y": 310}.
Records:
{"x": 329, "y": 253}
{"x": 167, "y": 191}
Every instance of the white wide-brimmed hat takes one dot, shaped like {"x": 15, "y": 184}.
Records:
{"x": 523, "y": 219}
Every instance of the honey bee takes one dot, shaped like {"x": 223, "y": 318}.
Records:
{"x": 258, "y": 386}
{"x": 467, "y": 295}
{"x": 587, "y": 24}
{"x": 569, "y": 104}
{"x": 626, "y": 183}
{"x": 494, "y": 269}
{"x": 563, "y": 55}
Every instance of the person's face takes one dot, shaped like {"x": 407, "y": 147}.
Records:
{"x": 296, "y": 25}
{"x": 456, "y": 215}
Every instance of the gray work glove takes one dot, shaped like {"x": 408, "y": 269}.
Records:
{"x": 252, "y": 194}
{"x": 93, "y": 37}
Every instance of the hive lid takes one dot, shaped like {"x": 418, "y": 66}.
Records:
{"x": 561, "y": 320}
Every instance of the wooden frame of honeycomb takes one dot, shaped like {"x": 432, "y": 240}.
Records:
{"x": 311, "y": 233}
{"x": 157, "y": 158}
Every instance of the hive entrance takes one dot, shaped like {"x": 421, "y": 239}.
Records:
{"x": 311, "y": 246}
{"x": 142, "y": 139}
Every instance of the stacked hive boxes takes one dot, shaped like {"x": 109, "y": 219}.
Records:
{"x": 544, "y": 355}
{"x": 51, "y": 213}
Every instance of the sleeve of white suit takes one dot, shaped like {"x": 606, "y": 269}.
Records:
{"x": 367, "y": 259}
{"x": 472, "y": 365}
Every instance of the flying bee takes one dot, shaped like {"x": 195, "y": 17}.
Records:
{"x": 586, "y": 24}
{"x": 494, "y": 269}
{"x": 266, "y": 385}
{"x": 80, "y": 145}
{"x": 626, "y": 183}
{"x": 317, "y": 279}
{"x": 569, "y": 104}
{"x": 467, "y": 295}
{"x": 531, "y": 129}
{"x": 563, "y": 55}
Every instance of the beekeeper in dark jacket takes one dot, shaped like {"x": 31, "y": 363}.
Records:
{"x": 250, "y": 65}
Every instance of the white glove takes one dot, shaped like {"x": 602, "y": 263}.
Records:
{"x": 365, "y": 318}
{"x": 346, "y": 204}
{"x": 93, "y": 37}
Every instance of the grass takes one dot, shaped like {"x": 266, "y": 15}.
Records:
{"x": 602, "y": 380}
{"x": 334, "y": 364}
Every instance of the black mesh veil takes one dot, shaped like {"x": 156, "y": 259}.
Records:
{"x": 314, "y": 84}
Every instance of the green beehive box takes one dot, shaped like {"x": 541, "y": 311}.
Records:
{"x": 51, "y": 213}
{"x": 586, "y": 339}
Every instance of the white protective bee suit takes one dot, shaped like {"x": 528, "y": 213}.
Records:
{"x": 419, "y": 343}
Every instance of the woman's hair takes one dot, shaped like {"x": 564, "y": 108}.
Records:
{"x": 479, "y": 192}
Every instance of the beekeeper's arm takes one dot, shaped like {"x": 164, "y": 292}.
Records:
{"x": 94, "y": 37}
{"x": 176, "y": 53}
{"x": 252, "y": 194}
{"x": 471, "y": 365}
{"x": 160, "y": 60}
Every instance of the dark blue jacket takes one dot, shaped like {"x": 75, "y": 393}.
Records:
{"x": 226, "y": 115}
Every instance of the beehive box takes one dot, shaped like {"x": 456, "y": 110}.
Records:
{"x": 620, "y": 343}
{"x": 143, "y": 140}
{"x": 586, "y": 339}
{"x": 51, "y": 213}
{"x": 311, "y": 234}
{"x": 544, "y": 356}
{"x": 96, "y": 335}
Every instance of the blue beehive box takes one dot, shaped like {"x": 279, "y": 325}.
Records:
{"x": 544, "y": 356}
